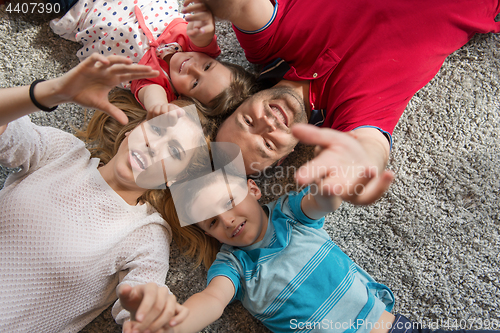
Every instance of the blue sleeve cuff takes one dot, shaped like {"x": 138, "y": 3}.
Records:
{"x": 385, "y": 133}
{"x": 275, "y": 12}
{"x": 294, "y": 203}
{"x": 220, "y": 268}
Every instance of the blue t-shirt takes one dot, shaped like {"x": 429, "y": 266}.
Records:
{"x": 297, "y": 279}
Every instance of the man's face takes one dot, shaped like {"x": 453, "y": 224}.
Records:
{"x": 261, "y": 126}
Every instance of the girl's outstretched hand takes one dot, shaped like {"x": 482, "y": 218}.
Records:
{"x": 89, "y": 83}
{"x": 201, "y": 26}
{"x": 152, "y": 308}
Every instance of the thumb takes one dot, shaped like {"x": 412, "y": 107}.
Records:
{"x": 124, "y": 292}
{"x": 374, "y": 189}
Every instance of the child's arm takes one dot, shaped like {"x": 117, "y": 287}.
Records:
{"x": 154, "y": 99}
{"x": 88, "y": 84}
{"x": 201, "y": 26}
{"x": 317, "y": 204}
{"x": 154, "y": 310}
{"x": 207, "y": 306}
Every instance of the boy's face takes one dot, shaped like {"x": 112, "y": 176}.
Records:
{"x": 197, "y": 75}
{"x": 243, "y": 225}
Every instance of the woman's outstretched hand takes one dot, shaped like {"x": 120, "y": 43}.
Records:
{"x": 89, "y": 83}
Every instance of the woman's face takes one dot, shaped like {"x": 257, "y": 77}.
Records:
{"x": 161, "y": 148}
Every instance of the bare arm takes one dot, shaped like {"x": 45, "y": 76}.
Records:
{"x": 88, "y": 84}
{"x": 316, "y": 204}
{"x": 248, "y": 15}
{"x": 350, "y": 165}
{"x": 154, "y": 98}
{"x": 207, "y": 306}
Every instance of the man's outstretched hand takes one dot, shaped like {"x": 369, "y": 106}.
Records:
{"x": 342, "y": 166}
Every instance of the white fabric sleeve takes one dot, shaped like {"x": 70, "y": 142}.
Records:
{"x": 26, "y": 145}
{"x": 149, "y": 262}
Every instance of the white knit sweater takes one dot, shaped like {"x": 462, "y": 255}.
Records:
{"x": 66, "y": 238}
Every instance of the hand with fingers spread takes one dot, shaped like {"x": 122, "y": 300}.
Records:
{"x": 343, "y": 166}
{"x": 89, "y": 83}
{"x": 201, "y": 27}
{"x": 152, "y": 308}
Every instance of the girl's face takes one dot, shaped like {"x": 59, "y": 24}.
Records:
{"x": 161, "y": 148}
{"x": 196, "y": 75}
{"x": 240, "y": 220}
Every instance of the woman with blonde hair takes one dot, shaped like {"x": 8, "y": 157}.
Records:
{"x": 74, "y": 225}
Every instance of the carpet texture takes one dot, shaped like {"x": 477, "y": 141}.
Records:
{"x": 433, "y": 238}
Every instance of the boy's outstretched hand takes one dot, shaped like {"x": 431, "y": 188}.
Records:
{"x": 89, "y": 83}
{"x": 152, "y": 308}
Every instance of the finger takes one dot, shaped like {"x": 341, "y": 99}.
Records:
{"x": 118, "y": 69}
{"x": 95, "y": 58}
{"x": 166, "y": 304}
{"x": 179, "y": 112}
{"x": 312, "y": 171}
{"x": 313, "y": 135}
{"x": 127, "y": 327}
{"x": 124, "y": 292}
{"x": 198, "y": 17}
{"x": 344, "y": 187}
{"x": 116, "y": 59}
{"x": 149, "y": 293}
{"x": 137, "y": 76}
{"x": 114, "y": 112}
{"x": 373, "y": 190}
{"x": 182, "y": 313}
{"x": 189, "y": 4}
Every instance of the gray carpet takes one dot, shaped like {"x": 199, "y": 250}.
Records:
{"x": 433, "y": 238}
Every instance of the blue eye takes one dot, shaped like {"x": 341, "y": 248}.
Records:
{"x": 175, "y": 152}
{"x": 229, "y": 204}
{"x": 157, "y": 130}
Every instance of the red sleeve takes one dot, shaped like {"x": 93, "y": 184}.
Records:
{"x": 162, "y": 79}
{"x": 212, "y": 49}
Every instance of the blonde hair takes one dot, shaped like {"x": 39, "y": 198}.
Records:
{"x": 104, "y": 135}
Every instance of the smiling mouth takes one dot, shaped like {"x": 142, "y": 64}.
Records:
{"x": 182, "y": 65}
{"x": 237, "y": 231}
{"x": 139, "y": 160}
{"x": 280, "y": 114}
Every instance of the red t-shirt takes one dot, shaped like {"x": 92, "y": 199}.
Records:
{"x": 366, "y": 58}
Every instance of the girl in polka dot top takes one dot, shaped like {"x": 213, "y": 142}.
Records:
{"x": 155, "y": 33}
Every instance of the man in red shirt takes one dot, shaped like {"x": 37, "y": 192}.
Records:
{"x": 351, "y": 67}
